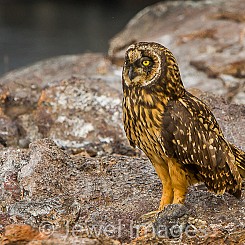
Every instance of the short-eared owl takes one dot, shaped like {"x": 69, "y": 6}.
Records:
{"x": 177, "y": 131}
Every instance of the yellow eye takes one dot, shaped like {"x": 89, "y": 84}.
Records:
{"x": 146, "y": 62}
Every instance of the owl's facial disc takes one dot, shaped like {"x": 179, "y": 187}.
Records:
{"x": 141, "y": 67}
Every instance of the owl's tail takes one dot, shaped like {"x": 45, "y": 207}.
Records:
{"x": 240, "y": 159}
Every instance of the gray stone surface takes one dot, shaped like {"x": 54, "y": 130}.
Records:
{"x": 103, "y": 197}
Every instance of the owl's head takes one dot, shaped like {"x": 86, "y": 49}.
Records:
{"x": 148, "y": 63}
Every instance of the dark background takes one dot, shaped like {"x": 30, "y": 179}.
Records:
{"x": 34, "y": 30}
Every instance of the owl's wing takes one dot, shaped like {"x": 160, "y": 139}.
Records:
{"x": 191, "y": 134}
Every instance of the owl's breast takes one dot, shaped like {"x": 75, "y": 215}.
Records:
{"x": 142, "y": 125}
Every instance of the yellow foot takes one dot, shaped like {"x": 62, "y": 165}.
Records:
{"x": 149, "y": 216}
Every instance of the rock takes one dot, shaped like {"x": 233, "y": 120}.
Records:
{"x": 31, "y": 100}
{"x": 8, "y": 131}
{"x": 21, "y": 234}
{"x": 36, "y": 103}
{"x": 25, "y": 234}
{"x": 23, "y": 86}
{"x": 206, "y": 37}
{"x": 172, "y": 221}
{"x": 103, "y": 198}
{"x": 66, "y": 191}
{"x": 78, "y": 113}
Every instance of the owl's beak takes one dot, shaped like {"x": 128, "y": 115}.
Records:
{"x": 131, "y": 73}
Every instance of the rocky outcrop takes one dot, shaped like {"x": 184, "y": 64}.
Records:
{"x": 206, "y": 37}
{"x": 71, "y": 196}
{"x": 81, "y": 111}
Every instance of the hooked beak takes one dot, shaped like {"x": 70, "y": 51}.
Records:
{"x": 131, "y": 73}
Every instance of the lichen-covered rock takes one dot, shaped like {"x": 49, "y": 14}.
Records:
{"x": 21, "y": 234}
{"x": 82, "y": 191}
{"x": 25, "y": 234}
{"x": 74, "y": 100}
{"x": 78, "y": 114}
{"x": 23, "y": 86}
{"x": 8, "y": 130}
{"x": 104, "y": 197}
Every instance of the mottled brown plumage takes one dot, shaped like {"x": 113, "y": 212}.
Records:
{"x": 177, "y": 131}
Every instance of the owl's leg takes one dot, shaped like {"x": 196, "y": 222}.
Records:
{"x": 167, "y": 190}
{"x": 179, "y": 181}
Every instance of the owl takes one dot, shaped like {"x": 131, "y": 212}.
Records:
{"x": 176, "y": 131}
